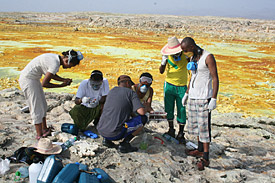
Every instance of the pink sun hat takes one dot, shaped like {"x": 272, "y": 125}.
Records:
{"x": 172, "y": 47}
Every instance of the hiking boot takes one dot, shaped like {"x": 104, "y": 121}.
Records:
{"x": 180, "y": 138}
{"x": 203, "y": 163}
{"x": 171, "y": 132}
{"x": 108, "y": 143}
{"x": 195, "y": 153}
{"x": 126, "y": 147}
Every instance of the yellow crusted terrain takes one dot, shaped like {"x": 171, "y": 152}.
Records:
{"x": 246, "y": 69}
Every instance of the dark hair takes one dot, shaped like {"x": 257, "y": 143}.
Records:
{"x": 146, "y": 74}
{"x": 96, "y": 75}
{"x": 188, "y": 41}
{"x": 73, "y": 55}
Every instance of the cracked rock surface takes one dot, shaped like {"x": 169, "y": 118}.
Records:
{"x": 242, "y": 149}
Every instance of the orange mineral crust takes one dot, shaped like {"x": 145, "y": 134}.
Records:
{"x": 246, "y": 69}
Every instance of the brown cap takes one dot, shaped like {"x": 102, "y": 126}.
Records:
{"x": 125, "y": 78}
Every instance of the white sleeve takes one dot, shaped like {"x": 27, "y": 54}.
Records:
{"x": 81, "y": 90}
{"x": 105, "y": 88}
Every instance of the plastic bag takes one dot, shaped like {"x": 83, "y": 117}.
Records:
{"x": 4, "y": 166}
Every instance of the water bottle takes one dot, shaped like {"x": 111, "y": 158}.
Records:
{"x": 170, "y": 139}
{"x": 22, "y": 172}
{"x": 68, "y": 143}
{"x": 144, "y": 144}
{"x": 34, "y": 170}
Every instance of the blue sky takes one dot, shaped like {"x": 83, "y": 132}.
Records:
{"x": 259, "y": 9}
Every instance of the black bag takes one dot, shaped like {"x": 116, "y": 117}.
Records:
{"x": 26, "y": 155}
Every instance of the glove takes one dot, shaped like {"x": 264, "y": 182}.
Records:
{"x": 184, "y": 99}
{"x": 85, "y": 100}
{"x": 164, "y": 59}
{"x": 212, "y": 104}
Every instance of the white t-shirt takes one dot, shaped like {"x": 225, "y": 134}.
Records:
{"x": 42, "y": 64}
{"x": 86, "y": 90}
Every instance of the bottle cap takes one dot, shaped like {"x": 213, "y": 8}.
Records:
{"x": 99, "y": 176}
{"x": 17, "y": 173}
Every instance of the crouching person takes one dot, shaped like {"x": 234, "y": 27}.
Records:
{"x": 115, "y": 123}
{"x": 90, "y": 98}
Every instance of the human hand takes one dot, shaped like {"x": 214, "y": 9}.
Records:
{"x": 164, "y": 59}
{"x": 184, "y": 99}
{"x": 212, "y": 104}
{"x": 86, "y": 100}
{"x": 68, "y": 81}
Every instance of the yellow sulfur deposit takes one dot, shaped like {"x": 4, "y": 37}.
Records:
{"x": 246, "y": 69}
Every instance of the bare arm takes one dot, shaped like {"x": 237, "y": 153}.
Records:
{"x": 103, "y": 99}
{"x": 211, "y": 64}
{"x": 46, "y": 81}
{"x": 141, "y": 111}
{"x": 148, "y": 104}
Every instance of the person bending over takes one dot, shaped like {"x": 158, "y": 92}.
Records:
{"x": 46, "y": 64}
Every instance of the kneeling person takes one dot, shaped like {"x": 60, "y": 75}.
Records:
{"x": 90, "y": 98}
{"x": 115, "y": 123}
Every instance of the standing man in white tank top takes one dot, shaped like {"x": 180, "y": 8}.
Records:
{"x": 202, "y": 93}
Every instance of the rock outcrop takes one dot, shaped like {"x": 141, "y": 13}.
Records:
{"x": 242, "y": 149}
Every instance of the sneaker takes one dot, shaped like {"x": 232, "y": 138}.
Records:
{"x": 203, "y": 163}
{"x": 108, "y": 143}
{"x": 171, "y": 132}
{"x": 180, "y": 138}
{"x": 195, "y": 153}
{"x": 126, "y": 148}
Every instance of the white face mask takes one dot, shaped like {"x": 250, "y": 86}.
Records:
{"x": 95, "y": 84}
{"x": 143, "y": 89}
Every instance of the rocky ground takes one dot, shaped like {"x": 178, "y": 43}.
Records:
{"x": 210, "y": 27}
{"x": 242, "y": 149}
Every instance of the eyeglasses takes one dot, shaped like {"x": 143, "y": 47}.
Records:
{"x": 145, "y": 79}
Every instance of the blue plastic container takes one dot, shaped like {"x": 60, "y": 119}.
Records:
{"x": 82, "y": 166}
{"x": 102, "y": 176}
{"x": 68, "y": 174}
{"x": 50, "y": 169}
{"x": 69, "y": 128}
{"x": 88, "y": 178}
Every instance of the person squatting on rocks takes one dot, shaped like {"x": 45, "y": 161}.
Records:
{"x": 46, "y": 64}
{"x": 202, "y": 92}
{"x": 145, "y": 91}
{"x": 115, "y": 122}
{"x": 90, "y": 98}
{"x": 175, "y": 85}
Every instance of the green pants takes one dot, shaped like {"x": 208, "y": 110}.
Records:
{"x": 174, "y": 94}
{"x": 83, "y": 115}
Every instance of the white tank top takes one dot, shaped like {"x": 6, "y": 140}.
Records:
{"x": 201, "y": 80}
